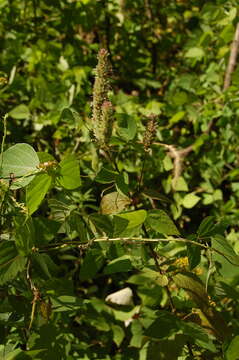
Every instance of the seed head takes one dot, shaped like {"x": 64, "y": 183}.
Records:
{"x": 102, "y": 114}
{"x": 150, "y": 132}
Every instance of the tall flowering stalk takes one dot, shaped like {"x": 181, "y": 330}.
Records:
{"x": 150, "y": 132}
{"x": 102, "y": 114}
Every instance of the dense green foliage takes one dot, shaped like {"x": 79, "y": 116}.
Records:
{"x": 119, "y": 182}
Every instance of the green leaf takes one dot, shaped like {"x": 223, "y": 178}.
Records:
{"x": 196, "y": 290}
{"x": 198, "y": 335}
{"x": 102, "y": 223}
{"x": 118, "y": 334}
{"x": 227, "y": 260}
{"x": 120, "y": 224}
{"x": 167, "y": 163}
{"x": 232, "y": 350}
{"x": 69, "y": 116}
{"x": 113, "y": 203}
{"x": 181, "y": 184}
{"x": 153, "y": 194}
{"x": 206, "y": 227}
{"x": 25, "y": 235}
{"x": 66, "y": 303}
{"x": 8, "y": 252}
{"x": 195, "y": 53}
{"x": 44, "y": 264}
{"x": 148, "y": 276}
{"x": 69, "y": 173}
{"x": 190, "y": 200}
{"x": 20, "y": 112}
{"x": 19, "y": 161}
{"x": 126, "y": 126}
{"x": 121, "y": 185}
{"x": 106, "y": 176}
{"x": 134, "y": 218}
{"x": 92, "y": 262}
{"x": 194, "y": 255}
{"x": 137, "y": 334}
{"x": 159, "y": 221}
{"x": 164, "y": 326}
{"x": 121, "y": 264}
{"x": 9, "y": 271}
{"x": 36, "y": 191}
{"x": 177, "y": 117}
{"x": 14, "y": 354}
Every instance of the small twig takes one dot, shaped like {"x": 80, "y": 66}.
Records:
{"x": 178, "y": 157}
{"x": 232, "y": 59}
{"x": 142, "y": 172}
{"x": 136, "y": 239}
{"x": 3, "y": 138}
{"x": 36, "y": 295}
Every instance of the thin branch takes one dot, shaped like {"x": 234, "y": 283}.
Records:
{"x": 36, "y": 295}
{"x": 133, "y": 240}
{"x": 178, "y": 156}
{"x": 232, "y": 59}
{"x": 3, "y": 139}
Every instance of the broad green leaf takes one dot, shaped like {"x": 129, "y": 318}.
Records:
{"x": 69, "y": 116}
{"x": 134, "y": 218}
{"x": 153, "y": 194}
{"x": 177, "y": 117}
{"x": 121, "y": 264}
{"x": 19, "y": 165}
{"x": 120, "y": 224}
{"x": 198, "y": 335}
{"x": 164, "y": 326}
{"x": 10, "y": 270}
{"x": 227, "y": 260}
{"x": 180, "y": 184}
{"x": 148, "y": 276}
{"x": 113, "y": 203}
{"x": 137, "y": 334}
{"x": 92, "y": 263}
{"x": 44, "y": 264}
{"x": 232, "y": 350}
{"x": 106, "y": 176}
{"x": 8, "y": 252}
{"x": 221, "y": 244}
{"x": 159, "y": 221}
{"x": 129, "y": 223}
{"x": 190, "y": 200}
{"x": 167, "y": 163}
{"x": 14, "y": 354}
{"x": 206, "y": 227}
{"x": 196, "y": 290}
{"x": 36, "y": 191}
{"x": 152, "y": 107}
{"x": 126, "y": 315}
{"x": 194, "y": 255}
{"x": 69, "y": 173}
{"x": 118, "y": 334}
{"x": 25, "y": 235}
{"x": 102, "y": 223}
{"x": 126, "y": 126}
{"x": 195, "y": 53}
{"x": 121, "y": 185}
{"x": 20, "y": 112}
{"x": 66, "y": 303}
